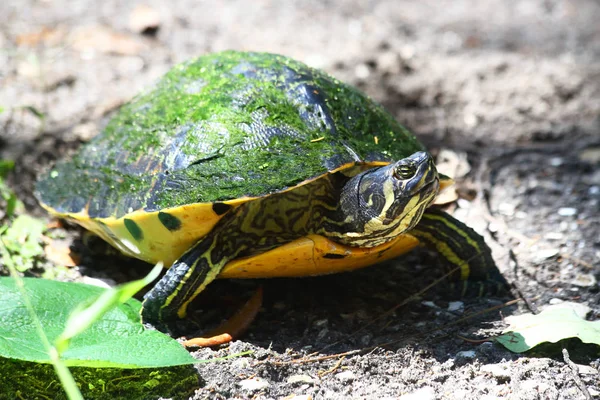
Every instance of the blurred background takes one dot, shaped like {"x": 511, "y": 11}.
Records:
{"x": 492, "y": 71}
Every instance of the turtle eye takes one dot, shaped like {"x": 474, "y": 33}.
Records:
{"x": 405, "y": 171}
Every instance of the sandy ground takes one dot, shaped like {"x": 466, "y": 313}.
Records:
{"x": 507, "y": 91}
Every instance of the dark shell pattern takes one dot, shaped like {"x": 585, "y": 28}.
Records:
{"x": 221, "y": 127}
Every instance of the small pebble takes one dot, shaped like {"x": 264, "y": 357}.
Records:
{"x": 586, "y": 370}
{"x": 567, "y": 211}
{"x": 496, "y": 370}
{"x": 506, "y": 209}
{"x": 556, "y": 161}
{"x": 591, "y": 155}
{"x": 362, "y": 71}
{"x": 554, "y": 236}
{"x": 456, "y": 306}
{"x": 424, "y": 393}
{"x": 462, "y": 203}
{"x": 253, "y": 384}
{"x": 346, "y": 376}
{"x": 545, "y": 254}
{"x": 584, "y": 280}
{"x": 593, "y": 190}
{"x": 593, "y": 392}
{"x": 303, "y": 378}
{"x": 366, "y": 339}
{"x": 528, "y": 385}
{"x": 322, "y": 333}
{"x": 299, "y": 397}
{"x": 493, "y": 227}
{"x": 466, "y": 354}
{"x": 240, "y": 363}
{"x": 521, "y": 214}
{"x": 429, "y": 304}
{"x": 389, "y": 62}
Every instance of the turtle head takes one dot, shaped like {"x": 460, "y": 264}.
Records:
{"x": 382, "y": 203}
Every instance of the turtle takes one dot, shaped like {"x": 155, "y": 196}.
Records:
{"x": 251, "y": 165}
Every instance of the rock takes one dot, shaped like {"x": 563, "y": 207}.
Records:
{"x": 498, "y": 371}
{"x": 553, "y": 236}
{"x": 456, "y": 306}
{"x": 425, "y": 393}
{"x": 590, "y": 155}
{"x": 545, "y": 254}
{"x": 254, "y": 384}
{"x": 298, "y": 397}
{"x": 567, "y": 211}
{"x": 320, "y": 323}
{"x": 389, "y": 62}
{"x": 346, "y": 376}
{"x": 586, "y": 370}
{"x": 301, "y": 378}
{"x": 556, "y": 161}
{"x": 429, "y": 304}
{"x": 240, "y": 363}
{"x": 584, "y": 280}
{"x": 452, "y": 163}
{"x": 466, "y": 354}
{"x": 362, "y": 71}
{"x": 507, "y": 209}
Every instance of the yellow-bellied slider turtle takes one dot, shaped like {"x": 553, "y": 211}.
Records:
{"x": 245, "y": 165}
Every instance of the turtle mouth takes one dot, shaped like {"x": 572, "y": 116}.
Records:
{"x": 429, "y": 189}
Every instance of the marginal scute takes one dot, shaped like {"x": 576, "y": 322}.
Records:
{"x": 169, "y": 221}
{"x": 220, "y": 208}
{"x": 333, "y": 255}
{"x": 134, "y": 229}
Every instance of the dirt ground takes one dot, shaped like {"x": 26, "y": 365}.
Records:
{"x": 507, "y": 92}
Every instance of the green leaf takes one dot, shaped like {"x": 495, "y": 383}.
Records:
{"x": 11, "y": 201}
{"x": 551, "y": 325}
{"x": 40, "y": 115}
{"x": 5, "y": 167}
{"x": 22, "y": 239}
{"x": 117, "y": 340}
{"x": 86, "y": 315}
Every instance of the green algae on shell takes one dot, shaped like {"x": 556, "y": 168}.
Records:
{"x": 220, "y": 127}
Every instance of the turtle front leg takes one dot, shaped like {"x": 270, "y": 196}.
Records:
{"x": 463, "y": 250}
{"x": 185, "y": 279}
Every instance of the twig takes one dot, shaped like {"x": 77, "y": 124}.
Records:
{"x": 575, "y": 374}
{"x": 532, "y": 307}
{"x": 332, "y": 369}
{"x": 318, "y": 359}
{"x": 577, "y": 260}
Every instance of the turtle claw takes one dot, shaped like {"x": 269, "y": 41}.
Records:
{"x": 233, "y": 327}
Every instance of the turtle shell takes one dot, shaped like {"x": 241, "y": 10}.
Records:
{"x": 213, "y": 132}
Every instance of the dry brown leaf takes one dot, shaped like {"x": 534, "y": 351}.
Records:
{"x": 45, "y": 36}
{"x": 105, "y": 40}
{"x": 59, "y": 253}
